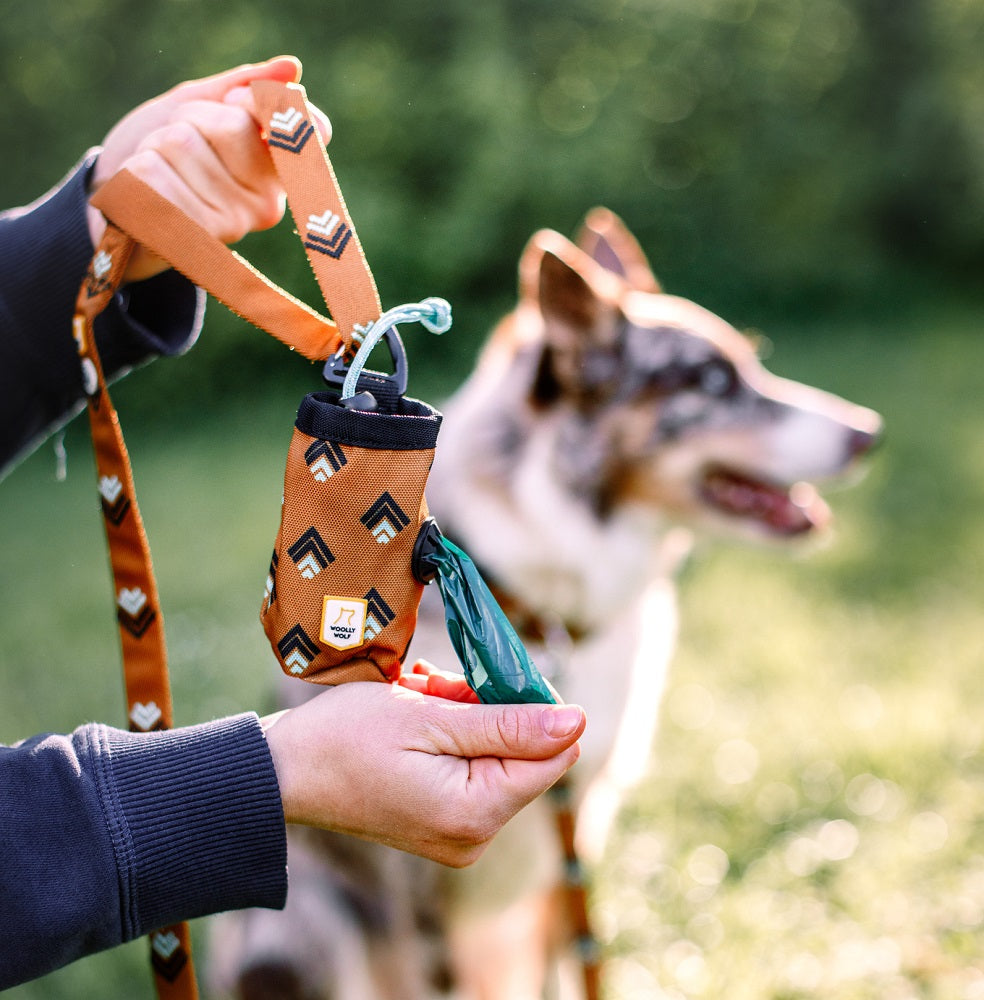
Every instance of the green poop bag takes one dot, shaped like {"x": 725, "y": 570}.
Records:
{"x": 497, "y": 666}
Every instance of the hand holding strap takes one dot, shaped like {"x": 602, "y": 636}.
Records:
{"x": 319, "y": 212}
{"x": 139, "y": 212}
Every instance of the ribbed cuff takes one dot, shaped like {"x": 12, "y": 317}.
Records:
{"x": 202, "y": 827}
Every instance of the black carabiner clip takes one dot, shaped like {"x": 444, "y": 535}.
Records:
{"x": 371, "y": 384}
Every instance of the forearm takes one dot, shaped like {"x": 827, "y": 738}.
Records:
{"x": 106, "y": 835}
{"x": 44, "y": 251}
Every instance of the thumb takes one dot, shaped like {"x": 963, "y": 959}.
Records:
{"x": 214, "y": 88}
{"x": 523, "y": 732}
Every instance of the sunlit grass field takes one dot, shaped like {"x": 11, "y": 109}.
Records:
{"x": 811, "y": 824}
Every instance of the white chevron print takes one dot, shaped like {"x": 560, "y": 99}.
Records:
{"x": 101, "y": 264}
{"x": 165, "y": 944}
{"x": 297, "y": 662}
{"x": 110, "y": 488}
{"x": 145, "y": 716}
{"x": 309, "y": 567}
{"x": 131, "y": 601}
{"x": 321, "y": 469}
{"x": 324, "y": 223}
{"x": 90, "y": 380}
{"x": 285, "y": 121}
{"x": 384, "y": 532}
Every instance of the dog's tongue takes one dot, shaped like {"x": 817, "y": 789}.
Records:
{"x": 793, "y": 511}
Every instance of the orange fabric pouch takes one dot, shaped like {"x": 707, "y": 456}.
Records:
{"x": 341, "y": 598}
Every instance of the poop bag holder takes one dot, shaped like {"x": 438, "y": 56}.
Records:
{"x": 356, "y": 546}
{"x": 341, "y": 599}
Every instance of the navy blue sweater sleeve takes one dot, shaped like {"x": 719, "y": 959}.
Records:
{"x": 106, "y": 835}
{"x": 44, "y": 251}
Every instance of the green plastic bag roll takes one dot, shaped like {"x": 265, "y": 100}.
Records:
{"x": 496, "y": 664}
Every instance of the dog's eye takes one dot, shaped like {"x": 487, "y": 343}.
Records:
{"x": 716, "y": 378}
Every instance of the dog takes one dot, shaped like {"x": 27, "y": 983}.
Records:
{"x": 605, "y": 424}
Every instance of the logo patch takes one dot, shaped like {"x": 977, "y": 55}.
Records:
{"x": 324, "y": 459}
{"x": 343, "y": 622}
{"x": 289, "y": 130}
{"x": 327, "y": 234}
{"x": 385, "y": 519}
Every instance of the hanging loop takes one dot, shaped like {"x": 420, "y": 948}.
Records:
{"x": 434, "y": 314}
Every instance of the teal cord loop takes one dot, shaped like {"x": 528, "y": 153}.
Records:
{"x": 434, "y": 314}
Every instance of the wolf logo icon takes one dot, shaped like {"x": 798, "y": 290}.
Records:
{"x": 343, "y": 622}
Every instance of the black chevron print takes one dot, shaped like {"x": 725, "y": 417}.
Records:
{"x": 310, "y": 553}
{"x": 167, "y": 956}
{"x": 297, "y": 649}
{"x": 385, "y": 506}
{"x": 324, "y": 458}
{"x": 295, "y": 141}
{"x": 378, "y": 608}
{"x": 333, "y": 247}
{"x": 115, "y": 512}
{"x": 385, "y": 518}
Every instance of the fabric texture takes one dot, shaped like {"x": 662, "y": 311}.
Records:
{"x": 106, "y": 835}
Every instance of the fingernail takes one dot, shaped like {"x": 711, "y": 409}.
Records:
{"x": 561, "y": 722}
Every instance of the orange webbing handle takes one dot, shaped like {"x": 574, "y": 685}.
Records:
{"x": 139, "y": 211}
{"x": 315, "y": 200}
{"x": 320, "y": 214}
{"x": 137, "y": 214}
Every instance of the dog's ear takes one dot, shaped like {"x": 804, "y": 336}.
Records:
{"x": 578, "y": 302}
{"x": 567, "y": 286}
{"x": 606, "y": 239}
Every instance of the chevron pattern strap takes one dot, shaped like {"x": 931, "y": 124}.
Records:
{"x": 317, "y": 206}
{"x": 141, "y": 625}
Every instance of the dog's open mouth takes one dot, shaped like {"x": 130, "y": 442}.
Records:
{"x": 781, "y": 510}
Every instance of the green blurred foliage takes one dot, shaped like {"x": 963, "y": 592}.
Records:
{"x": 776, "y": 157}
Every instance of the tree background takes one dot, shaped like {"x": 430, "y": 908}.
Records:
{"x": 777, "y": 158}
{"x": 813, "y": 170}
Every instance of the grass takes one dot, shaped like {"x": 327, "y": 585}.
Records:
{"x": 810, "y": 827}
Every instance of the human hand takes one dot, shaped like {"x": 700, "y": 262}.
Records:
{"x": 199, "y": 146}
{"x": 429, "y": 776}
